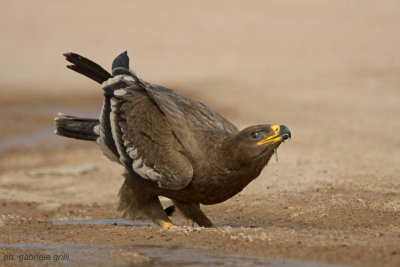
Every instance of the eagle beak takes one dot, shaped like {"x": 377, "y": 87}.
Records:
{"x": 281, "y": 133}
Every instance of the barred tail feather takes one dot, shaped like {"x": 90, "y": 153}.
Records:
{"x": 87, "y": 67}
{"x": 77, "y": 128}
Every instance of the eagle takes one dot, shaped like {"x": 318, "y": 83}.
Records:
{"x": 169, "y": 145}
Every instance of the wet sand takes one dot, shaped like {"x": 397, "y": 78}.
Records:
{"x": 330, "y": 73}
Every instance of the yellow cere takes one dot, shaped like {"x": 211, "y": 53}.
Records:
{"x": 273, "y": 138}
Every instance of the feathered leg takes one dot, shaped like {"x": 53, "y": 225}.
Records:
{"x": 138, "y": 202}
{"x": 192, "y": 211}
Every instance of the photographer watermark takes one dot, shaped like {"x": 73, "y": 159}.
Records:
{"x": 36, "y": 257}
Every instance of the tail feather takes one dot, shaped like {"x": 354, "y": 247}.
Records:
{"x": 78, "y": 128}
{"x": 87, "y": 67}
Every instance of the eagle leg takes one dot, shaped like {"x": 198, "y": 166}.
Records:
{"x": 136, "y": 202}
{"x": 191, "y": 210}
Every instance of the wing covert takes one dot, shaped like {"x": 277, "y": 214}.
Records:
{"x": 145, "y": 141}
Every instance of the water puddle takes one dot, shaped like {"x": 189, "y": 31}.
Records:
{"x": 39, "y": 138}
{"x": 119, "y": 222}
{"x": 155, "y": 255}
{"x": 77, "y": 255}
{"x": 29, "y": 135}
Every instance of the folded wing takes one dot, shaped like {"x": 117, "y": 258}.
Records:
{"x": 155, "y": 133}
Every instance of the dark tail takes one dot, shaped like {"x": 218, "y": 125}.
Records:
{"x": 87, "y": 67}
{"x": 77, "y": 128}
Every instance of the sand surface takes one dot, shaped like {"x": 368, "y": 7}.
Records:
{"x": 329, "y": 71}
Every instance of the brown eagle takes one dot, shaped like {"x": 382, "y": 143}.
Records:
{"x": 169, "y": 144}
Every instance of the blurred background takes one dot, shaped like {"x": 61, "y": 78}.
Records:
{"x": 329, "y": 70}
{"x": 323, "y": 68}
{"x": 234, "y": 55}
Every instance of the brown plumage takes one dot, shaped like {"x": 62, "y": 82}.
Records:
{"x": 170, "y": 145}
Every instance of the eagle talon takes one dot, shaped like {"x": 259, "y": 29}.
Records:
{"x": 166, "y": 225}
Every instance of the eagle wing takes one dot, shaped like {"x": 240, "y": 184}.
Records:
{"x": 191, "y": 122}
{"x": 142, "y": 136}
{"x": 158, "y": 132}
{"x": 145, "y": 142}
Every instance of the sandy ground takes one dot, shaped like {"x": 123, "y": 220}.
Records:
{"x": 330, "y": 72}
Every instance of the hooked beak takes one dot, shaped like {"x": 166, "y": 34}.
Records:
{"x": 281, "y": 133}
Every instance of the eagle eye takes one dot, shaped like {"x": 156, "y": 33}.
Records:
{"x": 255, "y": 135}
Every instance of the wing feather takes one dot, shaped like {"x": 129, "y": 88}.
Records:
{"x": 190, "y": 121}
{"x": 145, "y": 141}
{"x": 157, "y": 132}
